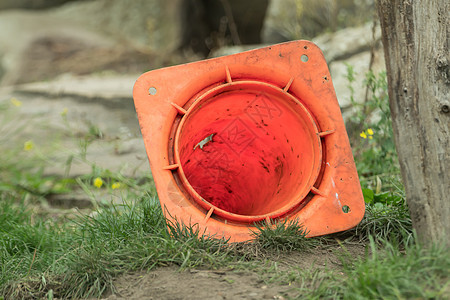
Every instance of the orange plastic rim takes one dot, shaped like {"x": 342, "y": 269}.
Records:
{"x": 264, "y": 156}
{"x": 248, "y": 137}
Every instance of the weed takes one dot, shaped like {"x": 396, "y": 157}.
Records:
{"x": 22, "y": 163}
{"x": 373, "y": 147}
{"x": 386, "y": 217}
{"x": 286, "y": 235}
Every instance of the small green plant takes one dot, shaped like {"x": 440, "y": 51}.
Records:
{"x": 22, "y": 162}
{"x": 386, "y": 217}
{"x": 286, "y": 235}
{"x": 373, "y": 145}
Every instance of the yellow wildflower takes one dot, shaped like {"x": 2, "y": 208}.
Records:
{"x": 28, "y": 145}
{"x": 64, "y": 112}
{"x": 98, "y": 182}
{"x": 370, "y": 137}
{"x": 363, "y": 135}
{"x": 370, "y": 131}
{"x": 15, "y": 102}
{"x": 115, "y": 185}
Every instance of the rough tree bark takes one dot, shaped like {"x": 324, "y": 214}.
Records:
{"x": 416, "y": 37}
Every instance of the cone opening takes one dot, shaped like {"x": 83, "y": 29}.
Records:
{"x": 248, "y": 149}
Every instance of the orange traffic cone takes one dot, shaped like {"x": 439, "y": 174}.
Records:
{"x": 249, "y": 137}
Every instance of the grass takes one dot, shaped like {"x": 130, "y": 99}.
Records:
{"x": 85, "y": 256}
{"x": 388, "y": 272}
{"x": 81, "y": 259}
{"x": 285, "y": 235}
{"x": 29, "y": 245}
{"x": 415, "y": 273}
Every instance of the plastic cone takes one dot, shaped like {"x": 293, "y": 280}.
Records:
{"x": 250, "y": 137}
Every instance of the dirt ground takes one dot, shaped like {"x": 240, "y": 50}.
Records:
{"x": 172, "y": 284}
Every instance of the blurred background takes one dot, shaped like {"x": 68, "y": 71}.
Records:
{"x": 67, "y": 67}
{"x": 41, "y": 39}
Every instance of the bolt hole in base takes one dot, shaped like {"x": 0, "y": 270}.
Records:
{"x": 152, "y": 91}
{"x": 248, "y": 149}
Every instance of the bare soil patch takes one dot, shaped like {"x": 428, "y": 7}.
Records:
{"x": 171, "y": 283}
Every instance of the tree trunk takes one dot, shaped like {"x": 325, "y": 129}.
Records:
{"x": 416, "y": 45}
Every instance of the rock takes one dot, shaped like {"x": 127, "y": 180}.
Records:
{"x": 360, "y": 63}
{"x": 229, "y": 50}
{"x": 30, "y": 4}
{"x": 40, "y": 45}
{"x": 347, "y": 42}
{"x": 95, "y": 126}
{"x": 73, "y": 200}
{"x": 150, "y": 24}
{"x": 305, "y": 19}
{"x": 280, "y": 21}
{"x": 114, "y": 87}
